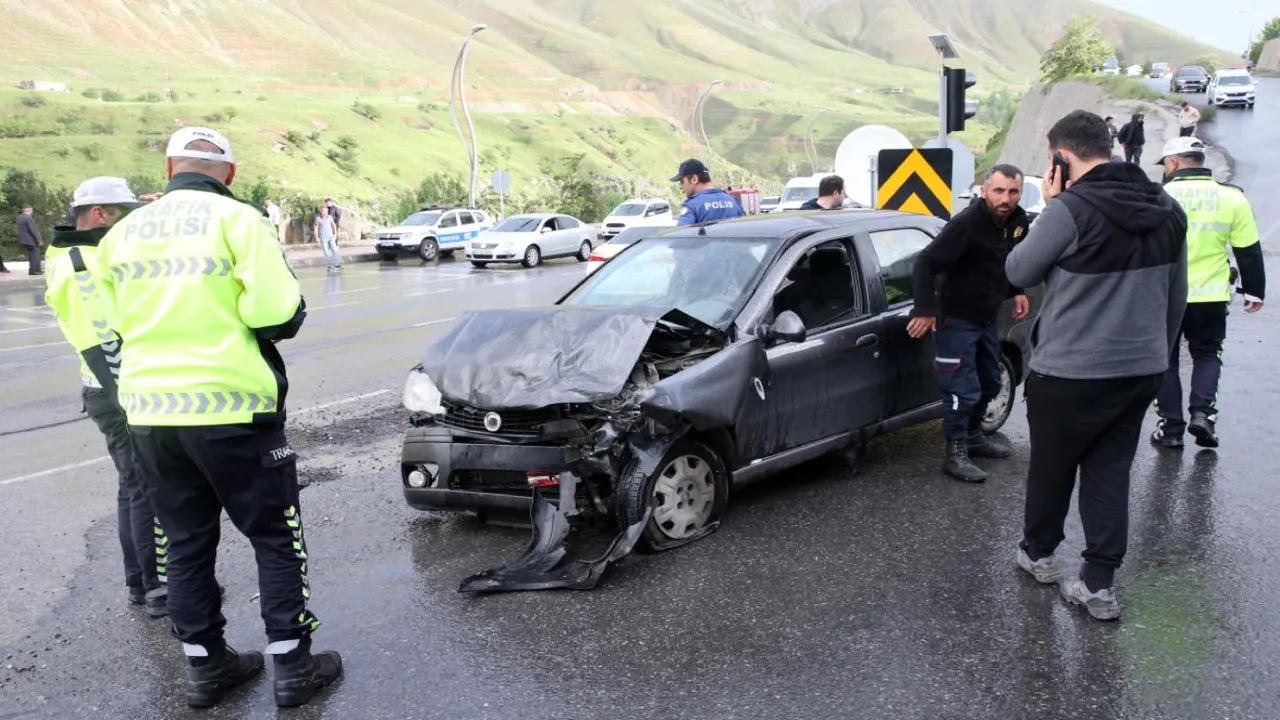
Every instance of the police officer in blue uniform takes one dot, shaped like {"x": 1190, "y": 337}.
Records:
{"x": 705, "y": 202}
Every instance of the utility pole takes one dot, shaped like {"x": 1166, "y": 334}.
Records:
{"x": 459, "y": 83}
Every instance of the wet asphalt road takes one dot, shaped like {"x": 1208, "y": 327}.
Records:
{"x": 886, "y": 594}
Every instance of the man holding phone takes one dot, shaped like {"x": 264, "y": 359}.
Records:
{"x": 1111, "y": 248}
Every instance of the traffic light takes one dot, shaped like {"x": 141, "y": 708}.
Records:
{"x": 958, "y": 110}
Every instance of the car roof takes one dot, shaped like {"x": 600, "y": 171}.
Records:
{"x": 537, "y": 216}
{"x": 788, "y": 225}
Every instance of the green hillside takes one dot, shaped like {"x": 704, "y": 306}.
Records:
{"x": 614, "y": 81}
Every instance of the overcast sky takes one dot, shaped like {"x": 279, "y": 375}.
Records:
{"x": 1221, "y": 23}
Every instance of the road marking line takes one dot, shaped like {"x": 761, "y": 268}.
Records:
{"x": 42, "y": 310}
{"x": 429, "y": 292}
{"x": 105, "y": 458}
{"x": 329, "y": 307}
{"x": 30, "y": 329}
{"x": 32, "y": 347}
{"x": 435, "y": 322}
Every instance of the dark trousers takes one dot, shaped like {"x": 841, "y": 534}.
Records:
{"x": 193, "y": 474}
{"x": 1092, "y": 426}
{"x": 1204, "y": 325}
{"x": 1133, "y": 154}
{"x": 143, "y": 569}
{"x": 1187, "y": 131}
{"x": 968, "y": 364}
{"x": 33, "y": 258}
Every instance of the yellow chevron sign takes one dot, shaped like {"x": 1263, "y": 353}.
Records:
{"x": 915, "y": 181}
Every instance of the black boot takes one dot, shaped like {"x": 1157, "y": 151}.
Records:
{"x": 1202, "y": 429}
{"x": 981, "y": 445}
{"x": 208, "y": 683}
{"x": 300, "y": 674}
{"x": 958, "y": 464}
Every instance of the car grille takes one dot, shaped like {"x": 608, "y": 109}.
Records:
{"x": 615, "y": 225}
{"x": 388, "y": 236}
{"x": 514, "y": 422}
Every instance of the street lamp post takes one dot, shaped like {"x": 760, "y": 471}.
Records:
{"x": 810, "y": 151}
{"x": 460, "y": 83}
{"x": 697, "y": 124}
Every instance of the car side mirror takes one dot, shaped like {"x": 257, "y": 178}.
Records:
{"x": 545, "y": 230}
{"x": 788, "y": 327}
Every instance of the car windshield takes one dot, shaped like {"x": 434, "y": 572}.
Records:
{"x": 519, "y": 223}
{"x": 1192, "y": 72}
{"x": 800, "y": 194}
{"x": 626, "y": 209}
{"x": 771, "y": 200}
{"x": 705, "y": 277}
{"x": 422, "y": 218}
{"x": 1235, "y": 80}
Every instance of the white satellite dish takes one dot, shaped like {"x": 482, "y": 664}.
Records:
{"x": 857, "y": 156}
{"x": 963, "y": 169}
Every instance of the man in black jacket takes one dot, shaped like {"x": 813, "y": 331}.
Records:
{"x": 969, "y": 254}
{"x": 830, "y": 195}
{"x": 1132, "y": 137}
{"x": 30, "y": 238}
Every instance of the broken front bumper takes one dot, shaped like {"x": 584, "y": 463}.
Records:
{"x": 440, "y": 453}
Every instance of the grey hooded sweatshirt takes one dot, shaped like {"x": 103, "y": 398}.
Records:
{"x": 1112, "y": 252}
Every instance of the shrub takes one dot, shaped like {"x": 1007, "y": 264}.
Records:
{"x": 112, "y": 96}
{"x": 91, "y": 93}
{"x": 261, "y": 98}
{"x": 172, "y": 95}
{"x": 257, "y": 191}
{"x": 346, "y": 160}
{"x": 63, "y": 151}
{"x": 149, "y": 97}
{"x": 17, "y": 127}
{"x": 366, "y": 110}
{"x": 295, "y": 138}
{"x": 314, "y": 135}
{"x": 94, "y": 151}
{"x": 103, "y": 127}
{"x": 33, "y": 101}
{"x": 346, "y": 142}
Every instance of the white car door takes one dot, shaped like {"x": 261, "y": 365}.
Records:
{"x": 571, "y": 232}
{"x": 448, "y": 227}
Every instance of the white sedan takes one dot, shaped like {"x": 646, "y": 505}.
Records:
{"x": 620, "y": 242}
{"x": 529, "y": 239}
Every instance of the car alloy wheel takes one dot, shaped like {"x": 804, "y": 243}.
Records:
{"x": 1001, "y": 406}
{"x": 532, "y": 257}
{"x": 428, "y": 250}
{"x": 584, "y": 252}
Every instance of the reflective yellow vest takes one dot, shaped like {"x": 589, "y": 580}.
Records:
{"x": 1218, "y": 216}
{"x": 83, "y": 314}
{"x": 201, "y": 286}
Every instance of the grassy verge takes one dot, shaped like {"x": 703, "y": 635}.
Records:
{"x": 1123, "y": 87}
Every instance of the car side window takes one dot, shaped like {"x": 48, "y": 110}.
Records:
{"x": 821, "y": 287}
{"x": 566, "y": 223}
{"x": 897, "y": 250}
{"x": 449, "y": 220}
{"x": 661, "y": 208}
{"x": 550, "y": 224}
{"x": 465, "y": 218}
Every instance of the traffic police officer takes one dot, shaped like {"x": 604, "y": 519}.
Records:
{"x": 203, "y": 292}
{"x": 1218, "y": 216}
{"x": 85, "y": 320}
{"x": 705, "y": 202}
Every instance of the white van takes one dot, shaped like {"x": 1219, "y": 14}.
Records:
{"x": 799, "y": 191}
{"x": 640, "y": 212}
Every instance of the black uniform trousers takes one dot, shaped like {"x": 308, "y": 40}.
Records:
{"x": 135, "y": 520}
{"x": 968, "y": 365}
{"x": 1092, "y": 426}
{"x": 193, "y": 474}
{"x": 1204, "y": 325}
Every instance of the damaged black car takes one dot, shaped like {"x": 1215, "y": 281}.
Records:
{"x": 691, "y": 363}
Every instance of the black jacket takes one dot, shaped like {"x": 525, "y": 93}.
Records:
{"x": 28, "y": 231}
{"x": 1133, "y": 133}
{"x": 812, "y": 204}
{"x": 969, "y": 255}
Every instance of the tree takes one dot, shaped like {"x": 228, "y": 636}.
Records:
{"x": 1211, "y": 63}
{"x": 1146, "y": 68}
{"x": 1081, "y": 47}
{"x": 1270, "y": 31}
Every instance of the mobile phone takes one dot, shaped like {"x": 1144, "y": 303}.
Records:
{"x": 1062, "y": 169}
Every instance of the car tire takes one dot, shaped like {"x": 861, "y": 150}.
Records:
{"x": 429, "y": 250}
{"x": 388, "y": 257}
{"x": 532, "y": 257}
{"x": 584, "y": 252}
{"x": 689, "y": 474}
{"x": 481, "y": 265}
{"x": 999, "y": 410}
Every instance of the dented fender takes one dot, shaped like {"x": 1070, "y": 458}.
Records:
{"x": 714, "y": 393}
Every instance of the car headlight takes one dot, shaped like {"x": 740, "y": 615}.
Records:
{"x": 421, "y": 394}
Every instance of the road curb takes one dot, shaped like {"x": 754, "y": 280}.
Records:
{"x": 347, "y": 258}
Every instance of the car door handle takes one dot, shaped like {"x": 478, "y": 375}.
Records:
{"x": 867, "y": 341}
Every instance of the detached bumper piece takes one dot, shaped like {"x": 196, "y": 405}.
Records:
{"x": 542, "y": 566}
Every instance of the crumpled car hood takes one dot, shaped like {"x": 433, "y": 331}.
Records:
{"x": 528, "y": 358}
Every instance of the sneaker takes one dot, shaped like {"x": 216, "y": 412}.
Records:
{"x": 1168, "y": 442}
{"x": 1045, "y": 570}
{"x": 1101, "y": 605}
{"x": 1202, "y": 428}
{"x": 157, "y": 602}
{"x": 299, "y": 681}
{"x": 208, "y": 684}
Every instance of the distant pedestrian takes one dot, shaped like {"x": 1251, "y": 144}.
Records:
{"x": 704, "y": 202}
{"x": 29, "y": 237}
{"x": 1219, "y": 216}
{"x": 1132, "y": 137}
{"x": 334, "y": 211}
{"x": 1111, "y": 125}
{"x": 1110, "y": 247}
{"x": 274, "y": 215}
{"x": 969, "y": 256}
{"x": 830, "y": 195}
{"x": 327, "y": 235}
{"x": 1188, "y": 119}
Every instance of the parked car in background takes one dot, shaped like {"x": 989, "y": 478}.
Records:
{"x": 529, "y": 239}
{"x": 1189, "y": 79}
{"x": 432, "y": 231}
{"x": 799, "y": 190}
{"x": 606, "y": 250}
{"x": 1159, "y": 70}
{"x": 639, "y": 212}
{"x": 698, "y": 360}
{"x": 769, "y": 203}
{"x": 1232, "y": 88}
{"x": 1134, "y": 71}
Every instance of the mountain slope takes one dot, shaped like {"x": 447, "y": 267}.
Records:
{"x": 615, "y": 80}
